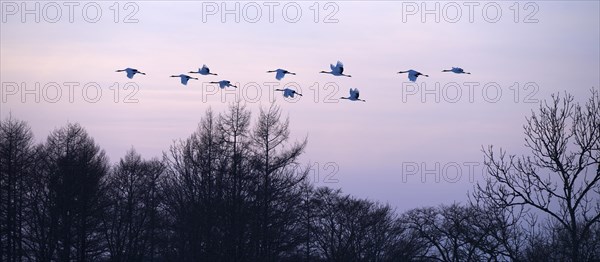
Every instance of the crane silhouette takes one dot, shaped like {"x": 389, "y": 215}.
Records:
{"x": 336, "y": 70}
{"x": 130, "y": 72}
{"x": 412, "y": 74}
{"x": 354, "y": 94}
{"x": 184, "y": 78}
{"x": 456, "y": 70}
{"x": 288, "y": 92}
{"x": 204, "y": 70}
{"x": 223, "y": 84}
{"x": 280, "y": 73}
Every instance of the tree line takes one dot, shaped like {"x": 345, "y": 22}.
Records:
{"x": 234, "y": 190}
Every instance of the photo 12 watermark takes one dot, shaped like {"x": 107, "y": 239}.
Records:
{"x": 471, "y": 12}
{"x": 255, "y": 92}
{"x": 69, "y": 11}
{"x": 71, "y": 92}
{"x": 471, "y": 92}
{"x": 271, "y": 12}
{"x": 318, "y": 172}
{"x": 323, "y": 172}
{"x": 440, "y": 172}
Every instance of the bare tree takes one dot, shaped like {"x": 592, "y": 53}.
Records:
{"x": 349, "y": 229}
{"x": 277, "y": 185}
{"x": 67, "y": 197}
{"x": 403, "y": 243}
{"x": 233, "y": 193}
{"x": 561, "y": 176}
{"x": 130, "y": 221}
{"x": 502, "y": 229}
{"x": 17, "y": 154}
{"x": 454, "y": 233}
{"x": 195, "y": 189}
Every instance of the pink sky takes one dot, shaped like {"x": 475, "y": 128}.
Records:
{"x": 370, "y": 141}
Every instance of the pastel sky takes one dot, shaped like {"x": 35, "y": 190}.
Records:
{"x": 369, "y": 143}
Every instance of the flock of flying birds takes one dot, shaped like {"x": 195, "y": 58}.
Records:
{"x": 336, "y": 70}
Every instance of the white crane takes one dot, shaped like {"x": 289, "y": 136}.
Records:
{"x": 203, "y": 71}
{"x": 336, "y": 70}
{"x": 353, "y": 95}
{"x": 288, "y": 92}
{"x": 184, "y": 78}
{"x": 456, "y": 70}
{"x": 280, "y": 73}
{"x": 223, "y": 84}
{"x": 412, "y": 74}
{"x": 131, "y": 72}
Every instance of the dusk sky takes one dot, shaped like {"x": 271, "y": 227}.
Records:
{"x": 526, "y": 52}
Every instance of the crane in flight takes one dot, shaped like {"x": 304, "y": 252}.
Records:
{"x": 412, "y": 74}
{"x": 456, "y": 70}
{"x": 280, "y": 73}
{"x": 223, "y": 84}
{"x": 336, "y": 70}
{"x": 130, "y": 72}
{"x": 288, "y": 92}
{"x": 184, "y": 78}
{"x": 354, "y": 94}
{"x": 204, "y": 70}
